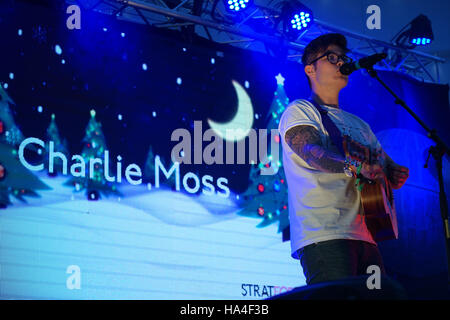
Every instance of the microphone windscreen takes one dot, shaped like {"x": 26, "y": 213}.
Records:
{"x": 346, "y": 69}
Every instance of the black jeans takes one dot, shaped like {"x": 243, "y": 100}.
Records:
{"x": 338, "y": 259}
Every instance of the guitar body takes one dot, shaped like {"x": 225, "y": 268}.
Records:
{"x": 379, "y": 210}
{"x": 377, "y": 198}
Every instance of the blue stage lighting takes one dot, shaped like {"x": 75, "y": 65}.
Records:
{"x": 416, "y": 33}
{"x": 237, "y": 5}
{"x": 301, "y": 20}
{"x": 421, "y": 41}
{"x": 420, "y": 33}
{"x": 296, "y": 18}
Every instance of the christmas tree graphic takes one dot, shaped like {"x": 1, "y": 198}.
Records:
{"x": 149, "y": 171}
{"x": 266, "y": 195}
{"x": 11, "y": 133}
{"x": 149, "y": 168}
{"x": 93, "y": 183}
{"x": 60, "y": 145}
{"x": 15, "y": 180}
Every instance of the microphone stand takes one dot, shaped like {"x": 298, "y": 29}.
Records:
{"x": 438, "y": 151}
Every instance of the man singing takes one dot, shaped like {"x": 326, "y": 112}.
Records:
{"x": 327, "y": 227}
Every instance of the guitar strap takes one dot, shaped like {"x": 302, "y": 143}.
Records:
{"x": 336, "y": 137}
{"x": 333, "y": 131}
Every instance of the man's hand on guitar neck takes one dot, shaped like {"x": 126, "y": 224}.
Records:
{"x": 371, "y": 171}
{"x": 397, "y": 175}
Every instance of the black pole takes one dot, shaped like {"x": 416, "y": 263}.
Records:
{"x": 438, "y": 151}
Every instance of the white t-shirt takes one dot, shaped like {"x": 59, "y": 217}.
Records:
{"x": 323, "y": 206}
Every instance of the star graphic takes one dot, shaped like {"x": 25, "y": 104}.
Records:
{"x": 280, "y": 79}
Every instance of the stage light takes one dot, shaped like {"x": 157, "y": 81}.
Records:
{"x": 296, "y": 18}
{"x": 237, "y": 5}
{"x": 421, "y": 33}
{"x": 418, "y": 33}
{"x": 420, "y": 41}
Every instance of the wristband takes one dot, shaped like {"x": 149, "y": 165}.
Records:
{"x": 348, "y": 169}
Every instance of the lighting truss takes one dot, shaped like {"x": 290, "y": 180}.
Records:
{"x": 260, "y": 30}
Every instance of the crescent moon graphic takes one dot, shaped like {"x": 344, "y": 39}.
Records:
{"x": 242, "y": 121}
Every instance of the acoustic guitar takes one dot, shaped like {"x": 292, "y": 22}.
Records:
{"x": 377, "y": 198}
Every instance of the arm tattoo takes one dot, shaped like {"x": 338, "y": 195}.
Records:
{"x": 305, "y": 141}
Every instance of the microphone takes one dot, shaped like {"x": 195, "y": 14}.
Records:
{"x": 366, "y": 63}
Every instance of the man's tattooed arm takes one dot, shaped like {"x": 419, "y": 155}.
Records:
{"x": 305, "y": 141}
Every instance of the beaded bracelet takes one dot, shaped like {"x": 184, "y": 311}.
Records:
{"x": 359, "y": 185}
{"x": 348, "y": 172}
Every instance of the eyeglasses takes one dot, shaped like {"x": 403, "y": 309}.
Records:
{"x": 333, "y": 58}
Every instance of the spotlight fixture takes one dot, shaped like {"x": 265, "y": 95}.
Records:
{"x": 237, "y": 5}
{"x": 296, "y": 18}
{"x": 421, "y": 33}
{"x": 418, "y": 33}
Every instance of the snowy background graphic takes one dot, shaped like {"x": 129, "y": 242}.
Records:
{"x": 119, "y": 87}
